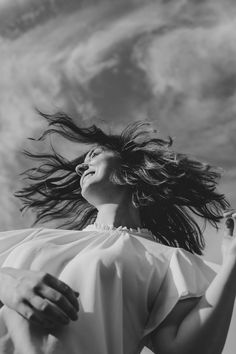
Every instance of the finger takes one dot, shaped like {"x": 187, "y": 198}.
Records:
{"x": 48, "y": 311}
{"x": 229, "y": 213}
{"x": 63, "y": 288}
{"x": 32, "y": 315}
{"x": 59, "y": 300}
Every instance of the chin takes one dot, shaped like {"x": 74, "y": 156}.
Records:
{"x": 95, "y": 192}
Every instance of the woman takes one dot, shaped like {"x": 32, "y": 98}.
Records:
{"x": 125, "y": 272}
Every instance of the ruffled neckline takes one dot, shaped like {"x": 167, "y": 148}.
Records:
{"x": 107, "y": 227}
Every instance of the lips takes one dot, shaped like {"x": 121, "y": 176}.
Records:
{"x": 87, "y": 173}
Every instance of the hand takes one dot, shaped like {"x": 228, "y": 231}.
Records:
{"x": 39, "y": 297}
{"x": 229, "y": 241}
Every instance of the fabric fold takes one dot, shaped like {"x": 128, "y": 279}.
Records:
{"x": 128, "y": 284}
{"x": 187, "y": 276}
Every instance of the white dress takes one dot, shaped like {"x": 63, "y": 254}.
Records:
{"x": 128, "y": 283}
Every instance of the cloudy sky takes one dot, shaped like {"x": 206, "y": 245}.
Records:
{"x": 172, "y": 62}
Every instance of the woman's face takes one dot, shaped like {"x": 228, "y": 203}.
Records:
{"x": 96, "y": 187}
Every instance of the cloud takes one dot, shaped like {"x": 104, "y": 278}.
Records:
{"x": 197, "y": 61}
{"x": 191, "y": 71}
{"x": 32, "y": 72}
{"x": 120, "y": 62}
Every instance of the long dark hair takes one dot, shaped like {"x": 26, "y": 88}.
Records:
{"x": 167, "y": 187}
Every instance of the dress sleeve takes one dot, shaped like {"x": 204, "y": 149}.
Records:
{"x": 11, "y": 239}
{"x": 187, "y": 276}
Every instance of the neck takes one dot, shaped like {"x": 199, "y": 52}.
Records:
{"x": 123, "y": 214}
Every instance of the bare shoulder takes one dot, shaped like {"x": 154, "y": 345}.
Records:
{"x": 166, "y": 332}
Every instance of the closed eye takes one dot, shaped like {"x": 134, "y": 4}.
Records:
{"x": 96, "y": 152}
{"x": 93, "y": 153}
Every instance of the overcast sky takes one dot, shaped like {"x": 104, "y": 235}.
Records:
{"x": 172, "y": 62}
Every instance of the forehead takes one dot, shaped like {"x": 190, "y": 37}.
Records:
{"x": 94, "y": 148}
{"x": 103, "y": 148}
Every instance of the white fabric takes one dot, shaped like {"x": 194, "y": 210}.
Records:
{"x": 127, "y": 283}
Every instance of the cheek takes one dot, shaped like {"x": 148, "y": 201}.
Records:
{"x": 98, "y": 180}
{"x": 101, "y": 180}
{"x": 104, "y": 176}
{"x": 106, "y": 168}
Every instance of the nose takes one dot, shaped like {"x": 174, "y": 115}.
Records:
{"x": 81, "y": 168}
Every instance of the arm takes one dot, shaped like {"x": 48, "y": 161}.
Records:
{"x": 201, "y": 325}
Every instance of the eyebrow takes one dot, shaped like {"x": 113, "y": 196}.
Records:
{"x": 92, "y": 150}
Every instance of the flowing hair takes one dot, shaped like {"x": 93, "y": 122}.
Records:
{"x": 170, "y": 189}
